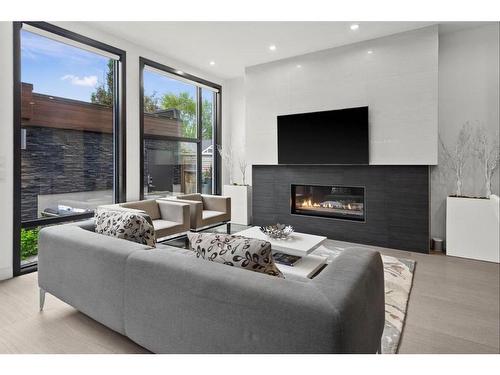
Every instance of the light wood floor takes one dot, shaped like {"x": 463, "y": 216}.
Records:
{"x": 453, "y": 308}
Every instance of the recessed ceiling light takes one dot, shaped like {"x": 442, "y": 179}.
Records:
{"x": 354, "y": 26}
{"x": 272, "y": 47}
{"x": 299, "y": 66}
{"x": 369, "y": 52}
{"x": 180, "y": 72}
{"x": 212, "y": 63}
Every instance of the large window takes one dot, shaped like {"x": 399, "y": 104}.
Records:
{"x": 68, "y": 130}
{"x": 179, "y": 132}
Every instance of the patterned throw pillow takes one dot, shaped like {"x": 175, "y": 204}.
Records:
{"x": 129, "y": 226}
{"x": 237, "y": 251}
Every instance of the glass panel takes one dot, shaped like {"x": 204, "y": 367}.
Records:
{"x": 207, "y": 141}
{"x": 67, "y": 128}
{"x": 169, "y": 106}
{"x": 170, "y": 167}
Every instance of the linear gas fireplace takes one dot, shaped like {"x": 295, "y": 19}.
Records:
{"x": 338, "y": 202}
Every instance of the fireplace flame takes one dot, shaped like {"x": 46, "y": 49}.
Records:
{"x": 308, "y": 203}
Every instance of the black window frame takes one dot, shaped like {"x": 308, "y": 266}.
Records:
{"x": 217, "y": 126}
{"x": 119, "y": 134}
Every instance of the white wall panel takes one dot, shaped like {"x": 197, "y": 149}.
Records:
{"x": 398, "y": 81}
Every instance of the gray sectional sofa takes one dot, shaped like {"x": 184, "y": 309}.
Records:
{"x": 169, "y": 301}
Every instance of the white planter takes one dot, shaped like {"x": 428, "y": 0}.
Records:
{"x": 472, "y": 228}
{"x": 241, "y": 203}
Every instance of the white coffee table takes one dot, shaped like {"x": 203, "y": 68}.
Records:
{"x": 299, "y": 244}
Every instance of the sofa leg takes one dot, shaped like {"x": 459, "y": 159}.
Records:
{"x": 228, "y": 230}
{"x": 42, "y": 298}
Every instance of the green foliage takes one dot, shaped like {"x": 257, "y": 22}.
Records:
{"x": 29, "y": 242}
{"x": 103, "y": 93}
{"x": 206, "y": 119}
{"x": 151, "y": 103}
{"x": 187, "y": 106}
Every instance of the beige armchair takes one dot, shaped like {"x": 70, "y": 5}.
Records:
{"x": 168, "y": 217}
{"x": 207, "y": 210}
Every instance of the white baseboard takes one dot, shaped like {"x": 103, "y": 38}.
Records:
{"x": 5, "y": 273}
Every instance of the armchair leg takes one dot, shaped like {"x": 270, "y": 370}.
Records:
{"x": 379, "y": 350}
{"x": 42, "y": 298}
{"x": 228, "y": 230}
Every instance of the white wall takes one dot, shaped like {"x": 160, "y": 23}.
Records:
{"x": 6, "y": 150}
{"x": 234, "y": 126}
{"x": 6, "y": 120}
{"x": 398, "y": 82}
{"x": 468, "y": 91}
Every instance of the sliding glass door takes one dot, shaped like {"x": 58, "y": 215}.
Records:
{"x": 68, "y": 151}
{"x": 179, "y": 128}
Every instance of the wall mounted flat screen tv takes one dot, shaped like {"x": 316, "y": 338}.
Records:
{"x": 328, "y": 137}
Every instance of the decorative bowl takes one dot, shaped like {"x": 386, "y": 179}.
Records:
{"x": 277, "y": 231}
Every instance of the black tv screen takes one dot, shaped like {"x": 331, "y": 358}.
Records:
{"x": 328, "y": 137}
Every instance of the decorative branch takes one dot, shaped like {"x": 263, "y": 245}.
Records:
{"x": 243, "y": 168}
{"x": 487, "y": 151}
{"x": 459, "y": 156}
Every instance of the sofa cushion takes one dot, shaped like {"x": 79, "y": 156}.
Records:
{"x": 149, "y": 206}
{"x": 237, "y": 251}
{"x": 164, "y": 228}
{"x": 126, "y": 225}
{"x": 208, "y": 214}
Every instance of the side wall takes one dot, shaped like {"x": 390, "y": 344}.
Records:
{"x": 234, "y": 105}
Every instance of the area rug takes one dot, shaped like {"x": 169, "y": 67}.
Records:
{"x": 398, "y": 274}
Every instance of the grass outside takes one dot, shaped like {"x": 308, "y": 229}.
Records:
{"x": 29, "y": 242}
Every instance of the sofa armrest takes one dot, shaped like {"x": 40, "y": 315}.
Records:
{"x": 86, "y": 270}
{"x": 88, "y": 224}
{"x": 217, "y": 203}
{"x": 354, "y": 283}
{"x": 174, "y": 211}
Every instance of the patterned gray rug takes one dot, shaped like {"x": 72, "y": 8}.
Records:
{"x": 398, "y": 274}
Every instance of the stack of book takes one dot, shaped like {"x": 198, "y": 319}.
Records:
{"x": 286, "y": 259}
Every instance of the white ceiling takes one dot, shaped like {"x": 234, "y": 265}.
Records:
{"x": 236, "y": 45}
